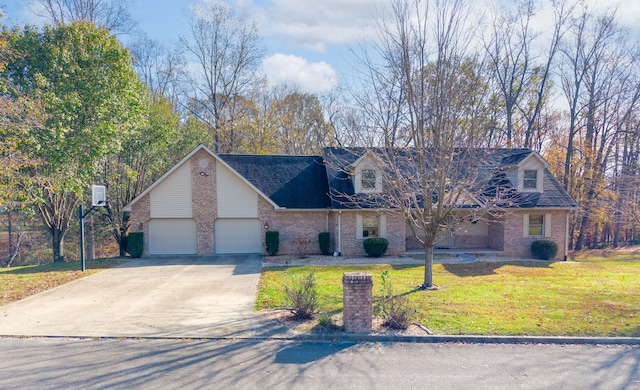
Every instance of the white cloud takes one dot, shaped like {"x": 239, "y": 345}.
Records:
{"x": 316, "y": 77}
{"x": 315, "y": 24}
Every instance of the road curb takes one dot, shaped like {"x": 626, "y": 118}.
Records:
{"x": 434, "y": 339}
{"x": 356, "y": 338}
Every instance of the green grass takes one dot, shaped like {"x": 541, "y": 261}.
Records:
{"x": 594, "y": 296}
{"x": 20, "y": 282}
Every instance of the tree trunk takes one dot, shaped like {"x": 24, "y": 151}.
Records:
{"x": 428, "y": 266}
{"x": 10, "y": 228}
{"x": 583, "y": 230}
{"x": 57, "y": 243}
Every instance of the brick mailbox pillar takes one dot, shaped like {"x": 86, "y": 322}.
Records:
{"x": 357, "y": 302}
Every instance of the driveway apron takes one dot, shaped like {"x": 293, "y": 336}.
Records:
{"x": 151, "y": 297}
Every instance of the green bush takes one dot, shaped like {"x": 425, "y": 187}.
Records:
{"x": 303, "y": 297}
{"x": 375, "y": 246}
{"x": 544, "y": 249}
{"x": 325, "y": 243}
{"x": 272, "y": 241}
{"x": 135, "y": 244}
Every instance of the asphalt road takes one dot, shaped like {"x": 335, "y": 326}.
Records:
{"x": 55, "y": 363}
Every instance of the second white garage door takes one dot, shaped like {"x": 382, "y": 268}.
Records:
{"x": 238, "y": 235}
{"x": 168, "y": 236}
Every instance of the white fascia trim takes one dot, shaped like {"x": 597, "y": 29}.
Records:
{"x": 531, "y": 155}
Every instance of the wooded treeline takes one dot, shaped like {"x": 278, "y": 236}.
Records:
{"x": 78, "y": 108}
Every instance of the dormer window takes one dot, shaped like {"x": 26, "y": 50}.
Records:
{"x": 368, "y": 180}
{"x": 530, "y": 180}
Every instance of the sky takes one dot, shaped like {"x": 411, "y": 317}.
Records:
{"x": 309, "y": 43}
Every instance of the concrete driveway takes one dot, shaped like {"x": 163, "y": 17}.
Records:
{"x": 151, "y": 297}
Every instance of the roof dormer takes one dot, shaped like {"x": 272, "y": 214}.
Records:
{"x": 367, "y": 177}
{"x": 531, "y": 173}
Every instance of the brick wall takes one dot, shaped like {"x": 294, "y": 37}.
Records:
{"x": 298, "y": 229}
{"x": 203, "y": 184}
{"x": 468, "y": 241}
{"x": 518, "y": 246}
{"x": 496, "y": 233}
{"x": 357, "y": 302}
{"x": 352, "y": 246}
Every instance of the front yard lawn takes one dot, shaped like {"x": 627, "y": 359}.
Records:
{"x": 592, "y": 296}
{"x": 20, "y": 282}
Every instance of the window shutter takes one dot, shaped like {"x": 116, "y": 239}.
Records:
{"x": 547, "y": 225}
{"x": 525, "y": 225}
{"x": 382, "y": 228}
{"x": 358, "y": 226}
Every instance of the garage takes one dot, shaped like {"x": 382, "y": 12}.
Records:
{"x": 172, "y": 236}
{"x": 238, "y": 235}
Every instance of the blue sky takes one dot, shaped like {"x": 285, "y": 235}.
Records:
{"x": 309, "y": 42}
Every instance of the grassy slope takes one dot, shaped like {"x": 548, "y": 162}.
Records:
{"x": 593, "y": 296}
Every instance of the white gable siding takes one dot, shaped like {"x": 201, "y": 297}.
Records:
{"x": 235, "y": 198}
{"x": 532, "y": 164}
{"x": 172, "y": 197}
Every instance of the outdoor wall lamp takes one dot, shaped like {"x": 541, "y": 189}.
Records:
{"x": 266, "y": 225}
{"x": 205, "y": 174}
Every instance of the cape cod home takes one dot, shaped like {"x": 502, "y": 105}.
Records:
{"x": 223, "y": 204}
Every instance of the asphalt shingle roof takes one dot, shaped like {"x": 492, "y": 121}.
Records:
{"x": 294, "y": 182}
{"x": 313, "y": 182}
{"x": 489, "y": 180}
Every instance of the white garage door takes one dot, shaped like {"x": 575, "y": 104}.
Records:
{"x": 172, "y": 237}
{"x": 238, "y": 235}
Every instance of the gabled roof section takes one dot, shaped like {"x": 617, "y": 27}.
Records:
{"x": 292, "y": 182}
{"x": 183, "y": 161}
{"x": 339, "y": 163}
{"x": 491, "y": 187}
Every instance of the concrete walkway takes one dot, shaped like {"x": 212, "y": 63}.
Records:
{"x": 152, "y": 297}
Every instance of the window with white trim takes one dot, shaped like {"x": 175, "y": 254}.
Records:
{"x": 368, "y": 179}
{"x": 536, "y": 225}
{"x": 530, "y": 180}
{"x": 370, "y": 226}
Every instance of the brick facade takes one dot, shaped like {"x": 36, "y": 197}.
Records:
{"x": 520, "y": 246}
{"x": 357, "y": 302}
{"x": 203, "y": 182}
{"x": 353, "y": 246}
{"x": 495, "y": 240}
{"x": 299, "y": 229}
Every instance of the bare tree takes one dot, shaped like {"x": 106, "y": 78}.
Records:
{"x": 227, "y": 51}
{"x": 424, "y": 102}
{"x": 112, "y": 14}
{"x": 602, "y": 93}
{"x": 523, "y": 83}
{"x": 161, "y": 69}
{"x": 508, "y": 49}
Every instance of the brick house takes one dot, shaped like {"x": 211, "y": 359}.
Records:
{"x": 223, "y": 204}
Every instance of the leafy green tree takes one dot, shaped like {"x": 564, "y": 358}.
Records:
{"x": 18, "y": 113}
{"x": 93, "y": 100}
{"x": 145, "y": 156}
